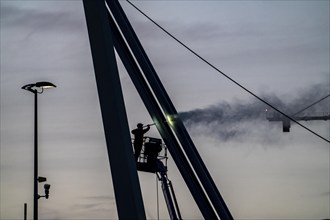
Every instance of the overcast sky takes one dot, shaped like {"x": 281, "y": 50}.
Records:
{"x": 277, "y": 49}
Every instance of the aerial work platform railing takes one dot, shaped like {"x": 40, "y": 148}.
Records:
{"x": 152, "y": 149}
{"x": 108, "y": 29}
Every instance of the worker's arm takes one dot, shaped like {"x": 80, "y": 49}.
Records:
{"x": 147, "y": 129}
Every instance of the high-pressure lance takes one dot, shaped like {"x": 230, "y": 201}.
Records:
{"x": 170, "y": 121}
{"x": 150, "y": 125}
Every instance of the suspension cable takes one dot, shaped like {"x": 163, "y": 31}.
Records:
{"x": 225, "y": 75}
{"x": 157, "y": 197}
{"x": 314, "y": 103}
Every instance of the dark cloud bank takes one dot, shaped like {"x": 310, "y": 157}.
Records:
{"x": 240, "y": 119}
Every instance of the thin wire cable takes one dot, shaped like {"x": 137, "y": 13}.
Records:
{"x": 157, "y": 197}
{"x": 225, "y": 75}
{"x": 310, "y": 105}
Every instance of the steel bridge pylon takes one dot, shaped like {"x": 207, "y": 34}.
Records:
{"x": 109, "y": 29}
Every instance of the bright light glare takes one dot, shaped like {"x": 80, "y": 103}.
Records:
{"x": 170, "y": 120}
{"x": 45, "y": 85}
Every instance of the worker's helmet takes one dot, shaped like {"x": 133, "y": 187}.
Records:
{"x": 139, "y": 125}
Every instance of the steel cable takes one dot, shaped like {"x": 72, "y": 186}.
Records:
{"x": 225, "y": 75}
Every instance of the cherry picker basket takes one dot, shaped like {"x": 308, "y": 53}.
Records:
{"x": 153, "y": 156}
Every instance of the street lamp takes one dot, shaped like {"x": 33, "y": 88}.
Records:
{"x": 36, "y": 89}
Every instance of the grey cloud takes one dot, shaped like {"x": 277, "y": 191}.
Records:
{"x": 96, "y": 204}
{"x": 52, "y": 214}
{"x": 200, "y": 32}
{"x": 87, "y": 206}
{"x": 38, "y": 40}
{"x": 100, "y": 198}
{"x": 54, "y": 22}
{"x": 325, "y": 194}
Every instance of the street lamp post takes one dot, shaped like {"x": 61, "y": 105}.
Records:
{"x": 36, "y": 89}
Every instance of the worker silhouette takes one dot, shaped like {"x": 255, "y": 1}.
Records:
{"x": 138, "y": 139}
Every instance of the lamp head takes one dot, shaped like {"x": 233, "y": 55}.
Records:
{"x": 45, "y": 85}
{"x": 42, "y": 85}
